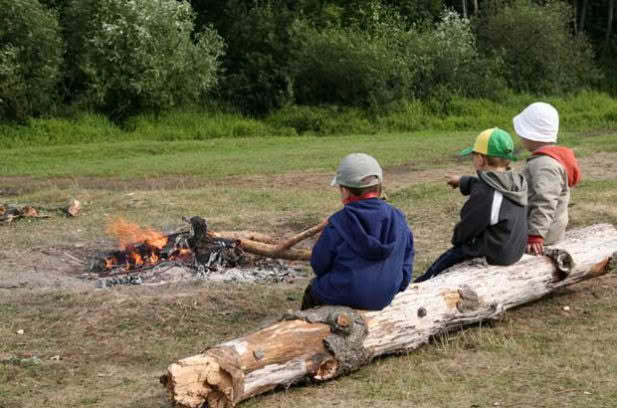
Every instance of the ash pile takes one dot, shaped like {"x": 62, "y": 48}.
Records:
{"x": 183, "y": 256}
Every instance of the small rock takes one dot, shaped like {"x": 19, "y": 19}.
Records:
{"x": 20, "y": 331}
{"x": 566, "y": 308}
{"x": 586, "y": 393}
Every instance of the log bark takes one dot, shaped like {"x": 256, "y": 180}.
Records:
{"x": 330, "y": 341}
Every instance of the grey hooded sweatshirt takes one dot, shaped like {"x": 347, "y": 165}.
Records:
{"x": 494, "y": 218}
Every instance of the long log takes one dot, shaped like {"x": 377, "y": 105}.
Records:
{"x": 326, "y": 342}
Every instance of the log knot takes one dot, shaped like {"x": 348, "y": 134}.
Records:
{"x": 469, "y": 300}
{"x": 562, "y": 260}
{"x": 348, "y": 329}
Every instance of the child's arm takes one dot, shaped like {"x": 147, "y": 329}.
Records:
{"x": 476, "y": 212}
{"x": 323, "y": 253}
{"x": 453, "y": 180}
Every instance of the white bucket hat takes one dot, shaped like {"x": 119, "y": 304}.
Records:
{"x": 538, "y": 122}
{"x": 356, "y": 170}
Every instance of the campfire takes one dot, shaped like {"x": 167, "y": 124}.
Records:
{"x": 142, "y": 253}
{"x": 144, "y": 247}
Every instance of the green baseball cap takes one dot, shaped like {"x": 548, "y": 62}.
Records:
{"x": 493, "y": 142}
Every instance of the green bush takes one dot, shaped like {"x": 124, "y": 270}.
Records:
{"x": 257, "y": 78}
{"x": 30, "y": 58}
{"x": 129, "y": 56}
{"x": 349, "y": 67}
{"x": 539, "y": 52}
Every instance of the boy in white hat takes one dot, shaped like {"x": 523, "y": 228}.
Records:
{"x": 550, "y": 172}
{"x": 364, "y": 255}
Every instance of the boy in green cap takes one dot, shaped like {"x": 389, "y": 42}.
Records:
{"x": 493, "y": 219}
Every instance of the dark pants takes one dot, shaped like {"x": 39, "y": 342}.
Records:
{"x": 309, "y": 300}
{"x": 449, "y": 258}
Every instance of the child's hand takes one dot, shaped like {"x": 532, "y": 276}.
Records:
{"x": 453, "y": 181}
{"x": 535, "y": 249}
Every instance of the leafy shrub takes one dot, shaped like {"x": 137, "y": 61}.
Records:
{"x": 447, "y": 62}
{"x": 127, "y": 56}
{"x": 349, "y": 66}
{"x": 30, "y": 58}
{"x": 257, "y": 78}
{"x": 322, "y": 120}
{"x": 539, "y": 52}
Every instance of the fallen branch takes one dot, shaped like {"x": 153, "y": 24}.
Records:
{"x": 274, "y": 251}
{"x": 10, "y": 212}
{"x": 327, "y": 342}
{"x": 243, "y": 235}
{"x": 301, "y": 236}
{"x": 264, "y": 245}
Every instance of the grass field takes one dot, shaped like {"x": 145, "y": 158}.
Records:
{"x": 107, "y": 348}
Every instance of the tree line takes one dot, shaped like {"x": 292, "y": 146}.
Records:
{"x": 124, "y": 57}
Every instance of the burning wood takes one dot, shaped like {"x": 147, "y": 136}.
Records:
{"x": 200, "y": 249}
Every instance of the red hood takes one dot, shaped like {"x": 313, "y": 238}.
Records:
{"x": 566, "y": 157}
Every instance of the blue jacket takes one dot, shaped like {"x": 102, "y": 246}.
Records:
{"x": 363, "y": 257}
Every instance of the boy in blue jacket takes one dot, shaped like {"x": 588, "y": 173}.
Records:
{"x": 364, "y": 255}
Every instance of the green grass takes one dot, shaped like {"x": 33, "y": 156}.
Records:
{"x": 585, "y": 110}
{"x": 225, "y": 157}
{"x": 114, "y": 344}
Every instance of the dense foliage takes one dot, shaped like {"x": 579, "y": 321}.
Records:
{"x": 125, "y": 57}
{"x": 30, "y": 58}
{"x": 539, "y": 53}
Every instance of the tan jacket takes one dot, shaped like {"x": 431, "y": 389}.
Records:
{"x": 549, "y": 195}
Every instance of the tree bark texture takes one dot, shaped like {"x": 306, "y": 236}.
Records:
{"x": 609, "y": 25}
{"x": 330, "y": 341}
{"x": 581, "y": 24}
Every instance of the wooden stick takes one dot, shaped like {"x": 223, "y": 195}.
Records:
{"x": 246, "y": 235}
{"x": 273, "y": 251}
{"x": 302, "y": 236}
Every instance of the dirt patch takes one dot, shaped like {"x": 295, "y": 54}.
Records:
{"x": 598, "y": 166}
{"x": 43, "y": 268}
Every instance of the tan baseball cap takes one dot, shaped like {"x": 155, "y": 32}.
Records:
{"x": 356, "y": 169}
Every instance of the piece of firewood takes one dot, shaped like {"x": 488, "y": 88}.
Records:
{"x": 326, "y": 342}
{"x": 201, "y": 235}
{"x": 248, "y": 235}
{"x": 301, "y": 236}
{"x": 274, "y": 251}
{"x": 73, "y": 207}
{"x": 9, "y": 212}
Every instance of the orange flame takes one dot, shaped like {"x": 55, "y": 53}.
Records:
{"x": 129, "y": 233}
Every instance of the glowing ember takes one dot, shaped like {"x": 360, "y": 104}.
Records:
{"x": 141, "y": 247}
